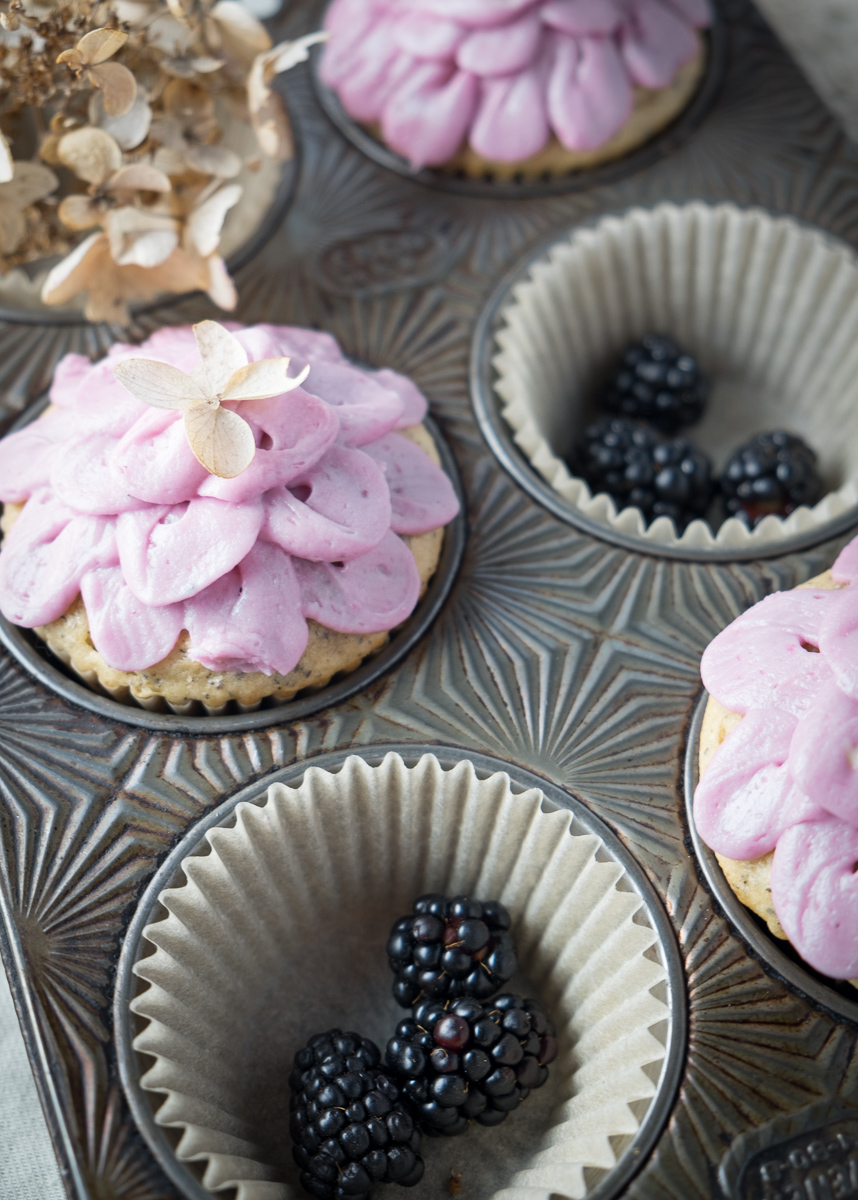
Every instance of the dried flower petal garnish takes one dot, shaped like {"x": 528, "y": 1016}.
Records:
{"x": 90, "y": 56}
{"x": 30, "y": 183}
{"x": 219, "y": 438}
{"x": 269, "y": 117}
{"x": 149, "y": 104}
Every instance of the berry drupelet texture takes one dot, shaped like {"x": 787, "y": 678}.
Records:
{"x": 773, "y": 473}
{"x": 449, "y": 948}
{"x": 349, "y": 1127}
{"x": 463, "y": 1060}
{"x": 657, "y": 381}
{"x": 635, "y": 465}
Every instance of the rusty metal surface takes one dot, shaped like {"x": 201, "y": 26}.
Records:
{"x": 555, "y": 652}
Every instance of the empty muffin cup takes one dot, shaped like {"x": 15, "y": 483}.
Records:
{"x": 768, "y": 307}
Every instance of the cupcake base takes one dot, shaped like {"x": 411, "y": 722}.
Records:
{"x": 750, "y": 879}
{"x": 181, "y": 685}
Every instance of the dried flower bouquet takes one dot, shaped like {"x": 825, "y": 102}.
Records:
{"x": 128, "y": 131}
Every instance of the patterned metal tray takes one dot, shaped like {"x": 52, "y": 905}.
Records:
{"x": 555, "y": 651}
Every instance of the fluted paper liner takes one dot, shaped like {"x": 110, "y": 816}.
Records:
{"x": 278, "y": 932}
{"x": 767, "y": 306}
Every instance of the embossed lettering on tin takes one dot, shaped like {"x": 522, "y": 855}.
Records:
{"x": 385, "y": 261}
{"x": 798, "y": 1157}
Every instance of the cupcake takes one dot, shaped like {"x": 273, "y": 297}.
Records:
{"x": 514, "y": 87}
{"x": 778, "y": 794}
{"x": 188, "y": 522}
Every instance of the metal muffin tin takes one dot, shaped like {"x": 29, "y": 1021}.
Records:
{"x": 556, "y": 652}
{"x": 132, "y": 1065}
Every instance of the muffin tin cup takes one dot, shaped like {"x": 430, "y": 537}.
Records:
{"x": 33, "y": 654}
{"x": 665, "y": 142}
{"x": 768, "y": 306}
{"x": 269, "y": 922}
{"x": 837, "y": 996}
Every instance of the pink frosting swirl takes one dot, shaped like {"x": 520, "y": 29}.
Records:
{"x": 786, "y": 778}
{"x": 502, "y": 74}
{"x": 119, "y": 510}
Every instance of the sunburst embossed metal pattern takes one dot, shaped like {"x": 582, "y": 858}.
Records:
{"x": 554, "y": 651}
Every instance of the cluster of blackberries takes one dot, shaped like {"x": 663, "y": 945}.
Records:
{"x": 449, "y": 948}
{"x": 663, "y": 477}
{"x": 349, "y": 1127}
{"x": 471, "y": 1060}
{"x": 458, "y": 1057}
{"x": 638, "y": 459}
{"x": 772, "y": 473}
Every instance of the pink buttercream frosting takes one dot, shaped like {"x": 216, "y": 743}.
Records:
{"x": 786, "y": 778}
{"x": 120, "y": 511}
{"x": 502, "y": 74}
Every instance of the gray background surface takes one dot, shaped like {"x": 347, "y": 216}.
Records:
{"x": 823, "y": 36}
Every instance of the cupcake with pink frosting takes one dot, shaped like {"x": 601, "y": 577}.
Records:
{"x": 220, "y": 516}
{"x": 778, "y": 794}
{"x": 514, "y": 87}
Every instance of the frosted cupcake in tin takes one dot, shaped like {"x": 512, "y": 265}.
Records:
{"x": 778, "y": 794}
{"x": 509, "y": 87}
{"x": 220, "y": 515}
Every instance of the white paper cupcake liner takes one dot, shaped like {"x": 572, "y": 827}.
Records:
{"x": 768, "y": 307}
{"x": 278, "y": 932}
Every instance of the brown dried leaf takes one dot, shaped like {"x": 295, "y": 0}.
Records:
{"x": 261, "y": 379}
{"x": 273, "y": 129}
{"x": 91, "y": 153}
{"x": 220, "y": 439}
{"x": 118, "y": 86}
{"x": 74, "y": 273}
{"x": 159, "y": 384}
{"x": 139, "y": 177}
{"x": 49, "y": 150}
{"x": 288, "y": 54}
{"x": 240, "y": 34}
{"x": 72, "y": 58}
{"x": 7, "y": 166}
{"x": 139, "y": 238}
{"x": 100, "y": 44}
{"x": 31, "y": 182}
{"x": 203, "y": 226}
{"x": 79, "y": 212}
{"x": 267, "y": 113}
{"x": 213, "y": 160}
{"x": 12, "y": 228}
{"x": 131, "y": 128}
{"x": 220, "y": 287}
{"x": 221, "y": 355}
{"x": 187, "y": 102}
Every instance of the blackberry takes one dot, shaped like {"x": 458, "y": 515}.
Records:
{"x": 463, "y": 1060}
{"x": 449, "y": 948}
{"x": 772, "y": 473}
{"x": 633, "y": 463}
{"x": 349, "y": 1127}
{"x": 657, "y": 381}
